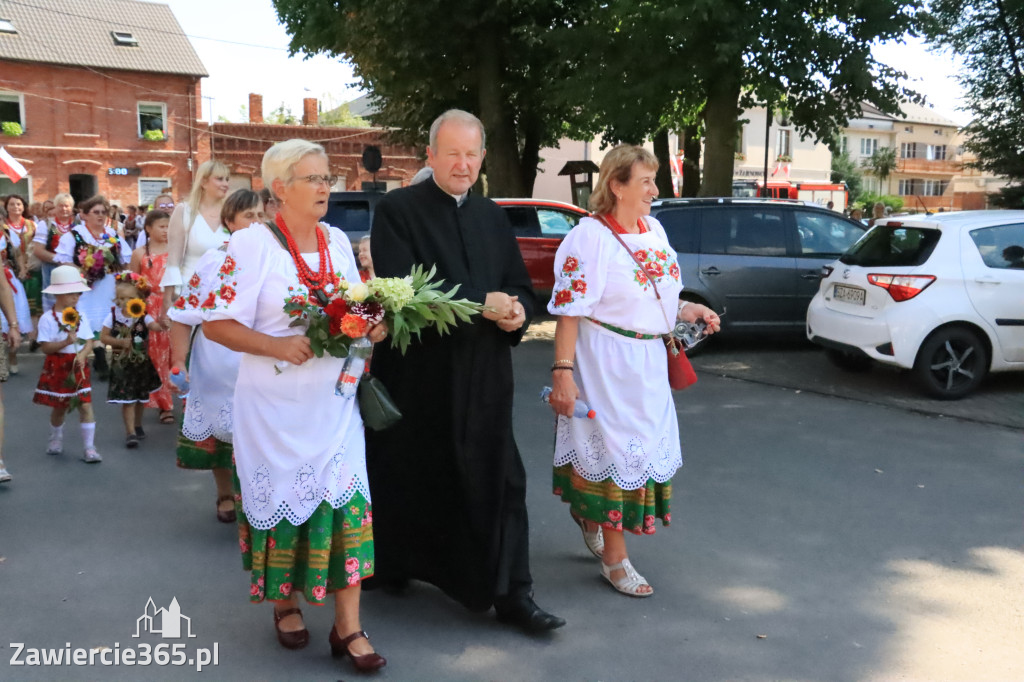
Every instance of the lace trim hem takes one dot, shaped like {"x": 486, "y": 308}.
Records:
{"x": 297, "y": 517}
{"x": 636, "y": 481}
{"x": 81, "y": 391}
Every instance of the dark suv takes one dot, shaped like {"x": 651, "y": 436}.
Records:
{"x": 352, "y": 212}
{"x": 760, "y": 260}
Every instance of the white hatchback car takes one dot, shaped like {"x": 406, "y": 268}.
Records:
{"x": 942, "y": 295}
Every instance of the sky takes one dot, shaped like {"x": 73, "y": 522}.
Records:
{"x": 261, "y": 63}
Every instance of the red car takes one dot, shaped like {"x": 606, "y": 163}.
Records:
{"x": 540, "y": 225}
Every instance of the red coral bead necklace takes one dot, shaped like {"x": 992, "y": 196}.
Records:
{"x": 314, "y": 281}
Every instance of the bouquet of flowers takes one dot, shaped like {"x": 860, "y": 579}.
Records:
{"x": 97, "y": 261}
{"x": 135, "y": 309}
{"x": 408, "y": 305}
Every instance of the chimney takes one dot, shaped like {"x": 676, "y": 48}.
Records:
{"x": 310, "y": 115}
{"x": 255, "y": 108}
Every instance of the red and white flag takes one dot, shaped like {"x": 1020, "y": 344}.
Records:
{"x": 10, "y": 167}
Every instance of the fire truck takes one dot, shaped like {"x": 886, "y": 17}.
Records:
{"x": 812, "y": 192}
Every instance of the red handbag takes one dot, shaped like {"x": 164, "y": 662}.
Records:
{"x": 680, "y": 372}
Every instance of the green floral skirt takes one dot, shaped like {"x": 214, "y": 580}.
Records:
{"x": 611, "y": 506}
{"x": 34, "y": 291}
{"x": 206, "y": 454}
{"x": 330, "y": 551}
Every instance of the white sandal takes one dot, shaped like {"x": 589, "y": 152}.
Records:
{"x": 630, "y": 583}
{"x": 593, "y": 539}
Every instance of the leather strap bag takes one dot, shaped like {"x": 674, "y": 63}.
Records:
{"x": 680, "y": 371}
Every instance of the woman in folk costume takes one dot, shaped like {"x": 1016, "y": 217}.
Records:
{"x": 57, "y": 223}
{"x": 99, "y": 254}
{"x": 210, "y": 369}
{"x": 615, "y": 470}
{"x": 17, "y": 235}
{"x": 299, "y": 448}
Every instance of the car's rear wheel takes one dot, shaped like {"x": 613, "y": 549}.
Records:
{"x": 951, "y": 363}
{"x": 851, "y": 362}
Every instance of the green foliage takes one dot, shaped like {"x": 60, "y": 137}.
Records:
{"x": 845, "y": 170}
{"x": 867, "y": 200}
{"x": 282, "y": 116}
{"x": 11, "y": 128}
{"x": 988, "y": 36}
{"x": 153, "y": 135}
{"x": 882, "y": 162}
{"x": 343, "y": 117}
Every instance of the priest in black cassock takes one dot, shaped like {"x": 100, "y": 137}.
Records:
{"x": 448, "y": 484}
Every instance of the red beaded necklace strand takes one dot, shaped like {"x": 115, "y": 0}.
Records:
{"x": 614, "y": 224}
{"x": 315, "y": 282}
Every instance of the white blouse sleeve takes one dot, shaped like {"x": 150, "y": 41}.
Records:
{"x": 234, "y": 291}
{"x": 42, "y": 232}
{"x": 186, "y": 308}
{"x": 580, "y": 265}
{"x": 65, "y": 248}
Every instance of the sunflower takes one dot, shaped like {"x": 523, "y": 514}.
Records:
{"x": 69, "y": 317}
{"x": 135, "y": 308}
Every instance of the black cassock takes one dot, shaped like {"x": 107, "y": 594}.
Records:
{"x": 447, "y": 482}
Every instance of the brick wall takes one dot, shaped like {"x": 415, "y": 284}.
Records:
{"x": 85, "y": 121}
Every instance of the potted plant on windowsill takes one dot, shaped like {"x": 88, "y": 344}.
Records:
{"x": 12, "y": 129}
{"x": 153, "y": 135}
{"x": 739, "y": 156}
{"x": 784, "y": 158}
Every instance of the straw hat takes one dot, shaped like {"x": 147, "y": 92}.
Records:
{"x": 66, "y": 279}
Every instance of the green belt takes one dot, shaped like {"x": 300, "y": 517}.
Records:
{"x": 624, "y": 332}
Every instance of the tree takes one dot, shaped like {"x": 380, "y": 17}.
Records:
{"x": 418, "y": 59}
{"x": 989, "y": 37}
{"x": 342, "y": 117}
{"x": 844, "y": 169}
{"x": 882, "y": 163}
{"x": 281, "y": 116}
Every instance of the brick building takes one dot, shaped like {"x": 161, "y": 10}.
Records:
{"x": 241, "y": 147}
{"x": 107, "y": 95}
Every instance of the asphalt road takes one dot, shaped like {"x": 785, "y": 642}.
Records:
{"x": 814, "y": 537}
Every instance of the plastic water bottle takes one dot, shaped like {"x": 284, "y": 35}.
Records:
{"x": 179, "y": 380}
{"x": 352, "y": 370}
{"x": 580, "y": 410}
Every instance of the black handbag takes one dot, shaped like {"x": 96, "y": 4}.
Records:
{"x": 375, "y": 404}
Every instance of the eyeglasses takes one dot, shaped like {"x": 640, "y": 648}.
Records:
{"x": 165, "y": 205}
{"x": 97, "y": 212}
{"x": 317, "y": 179}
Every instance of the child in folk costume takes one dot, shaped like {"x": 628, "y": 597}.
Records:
{"x": 133, "y": 378}
{"x": 205, "y": 438}
{"x": 66, "y": 338}
{"x": 150, "y": 261}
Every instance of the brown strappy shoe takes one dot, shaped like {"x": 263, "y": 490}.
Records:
{"x": 290, "y": 640}
{"x": 367, "y": 663}
{"x": 229, "y": 515}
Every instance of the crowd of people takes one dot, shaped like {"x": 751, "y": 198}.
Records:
{"x": 189, "y": 299}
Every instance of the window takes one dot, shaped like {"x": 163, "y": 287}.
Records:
{"x": 152, "y": 116}
{"x": 743, "y": 231}
{"x": 868, "y": 146}
{"x": 783, "y": 146}
{"x": 7, "y": 26}
{"x": 681, "y": 226}
{"x": 556, "y": 223}
{"x": 925, "y": 188}
{"x": 844, "y": 144}
{"x": 524, "y": 220}
{"x": 151, "y": 188}
{"x": 908, "y": 150}
{"x": 892, "y": 246}
{"x": 938, "y": 132}
{"x": 936, "y": 152}
{"x": 908, "y": 129}
{"x": 12, "y": 108}
{"x": 1001, "y": 246}
{"x": 124, "y": 39}
{"x": 822, "y": 234}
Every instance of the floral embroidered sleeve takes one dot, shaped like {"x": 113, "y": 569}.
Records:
{"x": 186, "y": 308}
{"x": 232, "y": 290}
{"x": 579, "y": 279}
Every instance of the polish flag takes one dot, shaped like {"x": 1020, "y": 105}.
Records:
{"x": 10, "y": 167}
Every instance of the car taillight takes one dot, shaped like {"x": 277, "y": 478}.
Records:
{"x": 902, "y": 287}
{"x": 826, "y": 270}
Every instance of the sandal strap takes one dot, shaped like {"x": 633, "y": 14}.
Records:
{"x": 278, "y": 615}
{"x": 630, "y": 581}
{"x": 353, "y": 637}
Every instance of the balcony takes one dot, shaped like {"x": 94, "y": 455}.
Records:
{"x": 924, "y": 166}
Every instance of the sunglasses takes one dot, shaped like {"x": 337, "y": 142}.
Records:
{"x": 162, "y": 206}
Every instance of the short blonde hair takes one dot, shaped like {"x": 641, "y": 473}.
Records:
{"x": 280, "y": 160}
{"x": 618, "y": 165}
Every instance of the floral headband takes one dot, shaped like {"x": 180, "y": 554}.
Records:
{"x": 135, "y": 279}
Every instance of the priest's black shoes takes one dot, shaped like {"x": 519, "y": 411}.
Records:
{"x": 524, "y": 613}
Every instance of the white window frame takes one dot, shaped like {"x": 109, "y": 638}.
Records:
{"x": 138, "y": 115}
{"x": 21, "y": 106}
{"x": 933, "y": 152}
{"x": 908, "y": 150}
{"x": 784, "y": 143}
{"x": 844, "y": 144}
{"x": 868, "y": 146}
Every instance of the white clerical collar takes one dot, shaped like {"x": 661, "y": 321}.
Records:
{"x": 459, "y": 198}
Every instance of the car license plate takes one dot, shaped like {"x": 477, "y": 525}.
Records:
{"x": 848, "y": 294}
